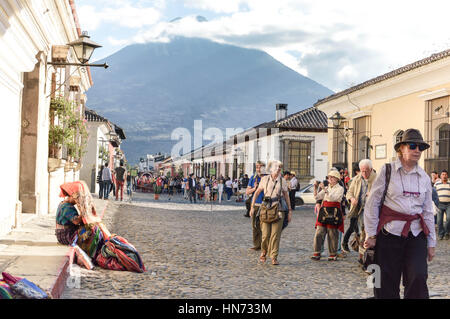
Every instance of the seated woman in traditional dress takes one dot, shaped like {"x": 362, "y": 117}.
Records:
{"x": 77, "y": 221}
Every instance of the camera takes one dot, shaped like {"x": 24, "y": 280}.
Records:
{"x": 325, "y": 183}
{"x": 267, "y": 200}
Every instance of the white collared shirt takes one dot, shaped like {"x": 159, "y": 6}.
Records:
{"x": 415, "y": 180}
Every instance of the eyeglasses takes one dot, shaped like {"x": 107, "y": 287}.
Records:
{"x": 413, "y": 146}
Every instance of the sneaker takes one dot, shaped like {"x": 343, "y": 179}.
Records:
{"x": 345, "y": 248}
{"x": 332, "y": 258}
{"x": 446, "y": 237}
{"x": 441, "y": 237}
{"x": 342, "y": 255}
{"x": 315, "y": 257}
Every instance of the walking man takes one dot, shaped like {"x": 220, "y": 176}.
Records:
{"x": 192, "y": 188}
{"x": 293, "y": 188}
{"x": 443, "y": 190}
{"x": 357, "y": 194}
{"x": 106, "y": 180}
{"x": 120, "y": 173}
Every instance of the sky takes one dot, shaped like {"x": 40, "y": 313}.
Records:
{"x": 338, "y": 43}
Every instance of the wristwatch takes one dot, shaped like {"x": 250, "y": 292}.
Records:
{"x": 372, "y": 237}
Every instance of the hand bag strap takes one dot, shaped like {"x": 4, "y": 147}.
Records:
{"x": 387, "y": 181}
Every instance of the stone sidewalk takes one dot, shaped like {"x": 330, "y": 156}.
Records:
{"x": 33, "y": 252}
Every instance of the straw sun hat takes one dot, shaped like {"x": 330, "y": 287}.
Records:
{"x": 335, "y": 174}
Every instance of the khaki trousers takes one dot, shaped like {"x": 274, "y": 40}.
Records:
{"x": 333, "y": 238}
{"x": 271, "y": 235}
{"x": 256, "y": 228}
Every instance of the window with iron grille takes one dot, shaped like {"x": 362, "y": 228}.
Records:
{"x": 437, "y": 134}
{"x": 300, "y": 158}
{"x": 361, "y": 140}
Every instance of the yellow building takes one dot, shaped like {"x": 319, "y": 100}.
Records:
{"x": 376, "y": 113}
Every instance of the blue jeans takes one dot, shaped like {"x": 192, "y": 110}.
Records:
{"x": 106, "y": 188}
{"x": 229, "y": 191}
{"x": 443, "y": 227}
{"x": 100, "y": 192}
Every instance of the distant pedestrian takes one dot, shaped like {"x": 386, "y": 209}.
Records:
{"x": 443, "y": 191}
{"x": 220, "y": 188}
{"x": 293, "y": 188}
{"x": 100, "y": 182}
{"x": 229, "y": 188}
{"x": 191, "y": 183}
{"x": 106, "y": 180}
{"x": 120, "y": 180}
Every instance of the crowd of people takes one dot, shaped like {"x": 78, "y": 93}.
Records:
{"x": 392, "y": 216}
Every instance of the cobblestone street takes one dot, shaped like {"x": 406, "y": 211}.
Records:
{"x": 191, "y": 251}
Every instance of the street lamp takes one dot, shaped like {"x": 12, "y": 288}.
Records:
{"x": 83, "y": 47}
{"x": 337, "y": 119}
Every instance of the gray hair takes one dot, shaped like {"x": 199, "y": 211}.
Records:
{"x": 365, "y": 162}
{"x": 272, "y": 164}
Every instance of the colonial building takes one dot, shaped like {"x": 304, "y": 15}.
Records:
{"x": 378, "y": 111}
{"x": 103, "y": 147}
{"x": 298, "y": 140}
{"x": 32, "y": 35}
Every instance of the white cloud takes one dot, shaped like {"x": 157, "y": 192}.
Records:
{"x": 339, "y": 43}
{"x": 124, "y": 15}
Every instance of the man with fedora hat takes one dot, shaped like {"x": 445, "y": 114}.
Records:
{"x": 399, "y": 222}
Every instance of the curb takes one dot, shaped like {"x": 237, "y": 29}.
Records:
{"x": 59, "y": 285}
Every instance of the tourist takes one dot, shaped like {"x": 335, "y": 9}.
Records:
{"x": 274, "y": 187}
{"x": 401, "y": 228}
{"x": 191, "y": 184}
{"x": 100, "y": 182}
{"x": 106, "y": 180}
{"x": 220, "y": 188}
{"x": 255, "y": 204}
{"x": 229, "y": 188}
{"x": 207, "y": 191}
{"x": 357, "y": 194}
{"x": 120, "y": 174}
{"x": 443, "y": 190}
{"x": 294, "y": 186}
{"x": 329, "y": 198}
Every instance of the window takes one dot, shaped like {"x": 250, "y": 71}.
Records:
{"x": 444, "y": 140}
{"x": 363, "y": 148}
{"x": 361, "y": 140}
{"x": 300, "y": 158}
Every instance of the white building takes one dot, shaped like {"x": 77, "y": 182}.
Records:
{"x": 299, "y": 141}
{"x": 103, "y": 146}
{"x": 33, "y": 33}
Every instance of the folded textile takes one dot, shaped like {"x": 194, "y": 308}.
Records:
{"x": 119, "y": 254}
{"x": 5, "y": 291}
{"x": 12, "y": 287}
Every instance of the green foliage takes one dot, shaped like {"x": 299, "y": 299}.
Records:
{"x": 71, "y": 130}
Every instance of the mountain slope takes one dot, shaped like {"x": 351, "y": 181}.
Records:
{"x": 151, "y": 89}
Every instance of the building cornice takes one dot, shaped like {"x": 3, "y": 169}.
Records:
{"x": 414, "y": 81}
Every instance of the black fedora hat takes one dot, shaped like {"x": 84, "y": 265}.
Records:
{"x": 411, "y": 135}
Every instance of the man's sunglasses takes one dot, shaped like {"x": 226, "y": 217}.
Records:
{"x": 413, "y": 146}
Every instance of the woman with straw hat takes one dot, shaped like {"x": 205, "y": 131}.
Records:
{"x": 329, "y": 199}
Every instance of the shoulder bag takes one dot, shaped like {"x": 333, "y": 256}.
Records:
{"x": 330, "y": 215}
{"x": 268, "y": 211}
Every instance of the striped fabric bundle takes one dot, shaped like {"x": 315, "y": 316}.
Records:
{"x": 5, "y": 291}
